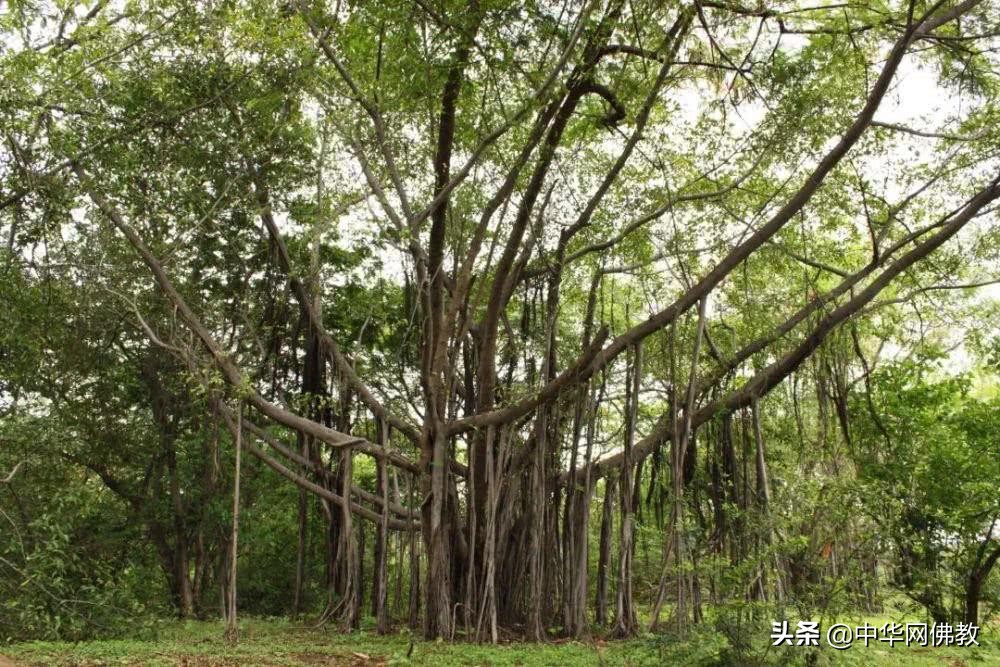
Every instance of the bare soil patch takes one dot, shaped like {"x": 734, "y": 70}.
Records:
{"x": 353, "y": 660}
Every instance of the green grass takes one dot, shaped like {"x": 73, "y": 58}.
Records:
{"x": 279, "y": 642}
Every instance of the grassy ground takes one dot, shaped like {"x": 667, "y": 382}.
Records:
{"x": 278, "y": 642}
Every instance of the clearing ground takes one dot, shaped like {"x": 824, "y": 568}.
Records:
{"x": 282, "y": 643}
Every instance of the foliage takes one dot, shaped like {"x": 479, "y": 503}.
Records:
{"x": 632, "y": 319}
{"x": 939, "y": 523}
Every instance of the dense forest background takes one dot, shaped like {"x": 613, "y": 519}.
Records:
{"x": 498, "y": 319}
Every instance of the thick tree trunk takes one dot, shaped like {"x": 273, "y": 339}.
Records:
{"x": 414, "y": 601}
{"x": 182, "y": 566}
{"x": 974, "y": 586}
{"x": 437, "y": 589}
{"x": 380, "y": 582}
{"x": 347, "y": 561}
{"x": 232, "y": 630}
{"x": 604, "y": 554}
{"x": 303, "y": 532}
{"x": 626, "y": 624}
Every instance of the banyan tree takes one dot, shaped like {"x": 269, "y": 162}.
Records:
{"x": 506, "y": 251}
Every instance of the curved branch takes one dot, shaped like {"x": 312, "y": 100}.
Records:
{"x": 771, "y": 376}
{"x": 343, "y": 365}
{"x": 10, "y": 475}
{"x": 231, "y": 373}
{"x": 617, "y": 113}
{"x": 721, "y": 270}
{"x": 314, "y": 488}
{"x": 932, "y": 135}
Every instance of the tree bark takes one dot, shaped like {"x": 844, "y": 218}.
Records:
{"x": 604, "y": 553}
{"x": 626, "y": 624}
{"x": 974, "y": 586}
{"x": 232, "y": 630}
